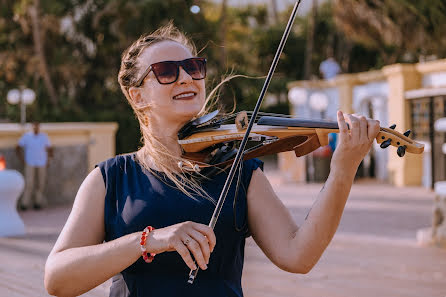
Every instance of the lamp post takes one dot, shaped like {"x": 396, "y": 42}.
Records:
{"x": 298, "y": 96}
{"x": 319, "y": 102}
{"x": 23, "y": 97}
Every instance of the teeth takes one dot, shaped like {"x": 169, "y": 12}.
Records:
{"x": 183, "y": 95}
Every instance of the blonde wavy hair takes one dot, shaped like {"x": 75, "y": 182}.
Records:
{"x": 152, "y": 148}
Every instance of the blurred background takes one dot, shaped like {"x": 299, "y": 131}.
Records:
{"x": 68, "y": 54}
{"x": 385, "y": 59}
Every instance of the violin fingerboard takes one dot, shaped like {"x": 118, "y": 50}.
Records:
{"x": 289, "y": 122}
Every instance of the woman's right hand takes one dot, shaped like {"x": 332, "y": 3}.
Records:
{"x": 185, "y": 238}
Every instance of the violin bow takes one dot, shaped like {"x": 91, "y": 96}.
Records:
{"x": 238, "y": 157}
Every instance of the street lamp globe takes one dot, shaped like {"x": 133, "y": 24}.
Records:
{"x": 28, "y": 96}
{"x": 23, "y": 97}
{"x": 13, "y": 96}
{"x": 319, "y": 101}
{"x": 297, "y": 96}
{"x": 195, "y": 9}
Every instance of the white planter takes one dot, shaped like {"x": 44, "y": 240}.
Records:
{"x": 11, "y": 186}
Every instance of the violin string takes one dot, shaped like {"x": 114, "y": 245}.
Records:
{"x": 262, "y": 113}
{"x": 230, "y": 118}
{"x": 290, "y": 116}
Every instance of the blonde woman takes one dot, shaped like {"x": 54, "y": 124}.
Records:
{"x": 140, "y": 216}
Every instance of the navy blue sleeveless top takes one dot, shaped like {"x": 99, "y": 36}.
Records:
{"x": 136, "y": 198}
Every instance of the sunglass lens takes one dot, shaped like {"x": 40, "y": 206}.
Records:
{"x": 196, "y": 68}
{"x": 165, "y": 72}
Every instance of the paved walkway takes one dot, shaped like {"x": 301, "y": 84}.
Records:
{"x": 374, "y": 252}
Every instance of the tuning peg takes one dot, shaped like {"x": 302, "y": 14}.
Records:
{"x": 407, "y": 133}
{"x": 401, "y": 150}
{"x": 386, "y": 143}
{"x": 393, "y": 127}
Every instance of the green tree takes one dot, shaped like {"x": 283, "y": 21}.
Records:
{"x": 69, "y": 51}
{"x": 81, "y": 42}
{"x": 400, "y": 30}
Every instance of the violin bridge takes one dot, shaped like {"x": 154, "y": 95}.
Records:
{"x": 262, "y": 138}
{"x": 241, "y": 120}
{"x": 269, "y": 140}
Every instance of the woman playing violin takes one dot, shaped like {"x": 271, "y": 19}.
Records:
{"x": 141, "y": 217}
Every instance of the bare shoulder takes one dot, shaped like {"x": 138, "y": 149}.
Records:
{"x": 92, "y": 185}
{"x": 260, "y": 193}
{"x": 259, "y": 182}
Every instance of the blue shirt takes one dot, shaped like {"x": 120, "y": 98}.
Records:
{"x": 329, "y": 68}
{"x": 136, "y": 198}
{"x": 34, "y": 146}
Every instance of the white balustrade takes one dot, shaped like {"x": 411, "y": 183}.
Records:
{"x": 437, "y": 234}
{"x": 11, "y": 186}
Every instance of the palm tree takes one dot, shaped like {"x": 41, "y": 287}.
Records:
{"x": 275, "y": 13}
{"x": 223, "y": 30}
{"x": 39, "y": 45}
{"x": 394, "y": 27}
{"x": 310, "y": 41}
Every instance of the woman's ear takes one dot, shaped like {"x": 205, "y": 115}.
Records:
{"x": 136, "y": 97}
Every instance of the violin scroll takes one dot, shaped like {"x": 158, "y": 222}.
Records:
{"x": 388, "y": 136}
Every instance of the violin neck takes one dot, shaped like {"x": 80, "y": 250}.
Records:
{"x": 301, "y": 123}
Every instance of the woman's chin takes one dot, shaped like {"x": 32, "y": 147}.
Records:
{"x": 187, "y": 111}
{"x": 181, "y": 116}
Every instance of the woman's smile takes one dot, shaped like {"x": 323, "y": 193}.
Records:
{"x": 185, "y": 96}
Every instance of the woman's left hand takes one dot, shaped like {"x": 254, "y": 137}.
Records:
{"x": 354, "y": 143}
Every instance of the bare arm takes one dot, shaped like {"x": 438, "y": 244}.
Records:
{"x": 81, "y": 261}
{"x": 298, "y": 249}
{"x": 19, "y": 153}
{"x": 50, "y": 152}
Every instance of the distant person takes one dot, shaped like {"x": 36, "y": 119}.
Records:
{"x": 34, "y": 149}
{"x": 332, "y": 141}
{"x": 329, "y": 68}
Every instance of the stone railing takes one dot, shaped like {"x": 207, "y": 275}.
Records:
{"x": 77, "y": 148}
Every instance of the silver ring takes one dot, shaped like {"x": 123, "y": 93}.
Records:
{"x": 186, "y": 242}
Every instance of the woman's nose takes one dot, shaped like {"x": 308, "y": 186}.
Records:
{"x": 183, "y": 76}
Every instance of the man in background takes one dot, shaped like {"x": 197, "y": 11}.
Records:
{"x": 34, "y": 149}
{"x": 329, "y": 68}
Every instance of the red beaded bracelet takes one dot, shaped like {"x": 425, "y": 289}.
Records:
{"x": 144, "y": 234}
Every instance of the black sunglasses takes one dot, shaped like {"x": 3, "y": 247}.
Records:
{"x": 167, "y": 72}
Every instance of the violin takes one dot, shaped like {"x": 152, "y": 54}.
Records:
{"x": 208, "y": 141}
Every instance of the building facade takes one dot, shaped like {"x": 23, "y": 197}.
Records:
{"x": 412, "y": 96}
